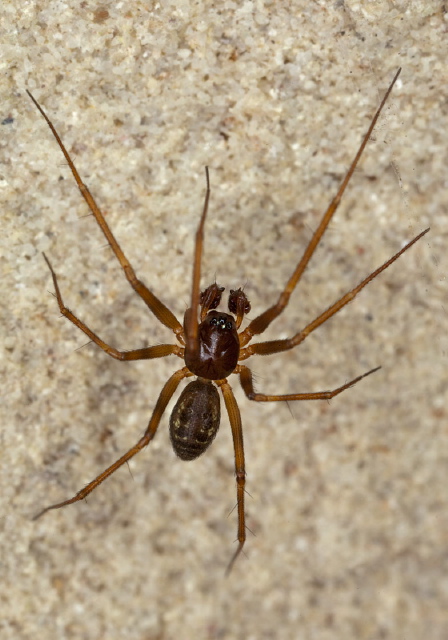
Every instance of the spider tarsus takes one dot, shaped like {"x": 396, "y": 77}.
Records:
{"x": 234, "y": 559}
{"x": 364, "y": 375}
{"x": 59, "y": 505}
{"x": 42, "y": 512}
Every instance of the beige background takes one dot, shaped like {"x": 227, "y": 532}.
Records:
{"x": 348, "y": 499}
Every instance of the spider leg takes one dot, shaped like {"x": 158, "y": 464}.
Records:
{"x": 146, "y": 353}
{"x": 261, "y": 322}
{"x": 162, "y": 313}
{"x": 191, "y": 314}
{"x": 246, "y": 380}
{"x": 240, "y": 470}
{"x": 275, "y": 346}
{"x": 162, "y": 401}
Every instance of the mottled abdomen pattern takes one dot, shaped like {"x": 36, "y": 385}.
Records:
{"x": 195, "y": 419}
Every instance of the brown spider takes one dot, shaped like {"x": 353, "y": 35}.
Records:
{"x": 211, "y": 347}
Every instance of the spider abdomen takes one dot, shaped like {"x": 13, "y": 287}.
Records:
{"x": 195, "y": 419}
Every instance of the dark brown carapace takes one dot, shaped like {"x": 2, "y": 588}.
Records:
{"x": 211, "y": 346}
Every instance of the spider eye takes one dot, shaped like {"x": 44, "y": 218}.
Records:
{"x": 221, "y": 322}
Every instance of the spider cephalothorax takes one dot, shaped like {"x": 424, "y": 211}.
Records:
{"x": 210, "y": 345}
{"x": 215, "y": 354}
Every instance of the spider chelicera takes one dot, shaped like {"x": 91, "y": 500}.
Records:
{"x": 211, "y": 345}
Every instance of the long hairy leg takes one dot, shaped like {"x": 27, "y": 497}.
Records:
{"x": 162, "y": 313}
{"x": 162, "y": 401}
{"x": 146, "y": 353}
{"x": 240, "y": 469}
{"x": 261, "y": 322}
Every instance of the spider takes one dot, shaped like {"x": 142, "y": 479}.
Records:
{"x": 211, "y": 345}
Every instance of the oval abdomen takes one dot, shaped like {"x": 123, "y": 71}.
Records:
{"x": 195, "y": 419}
